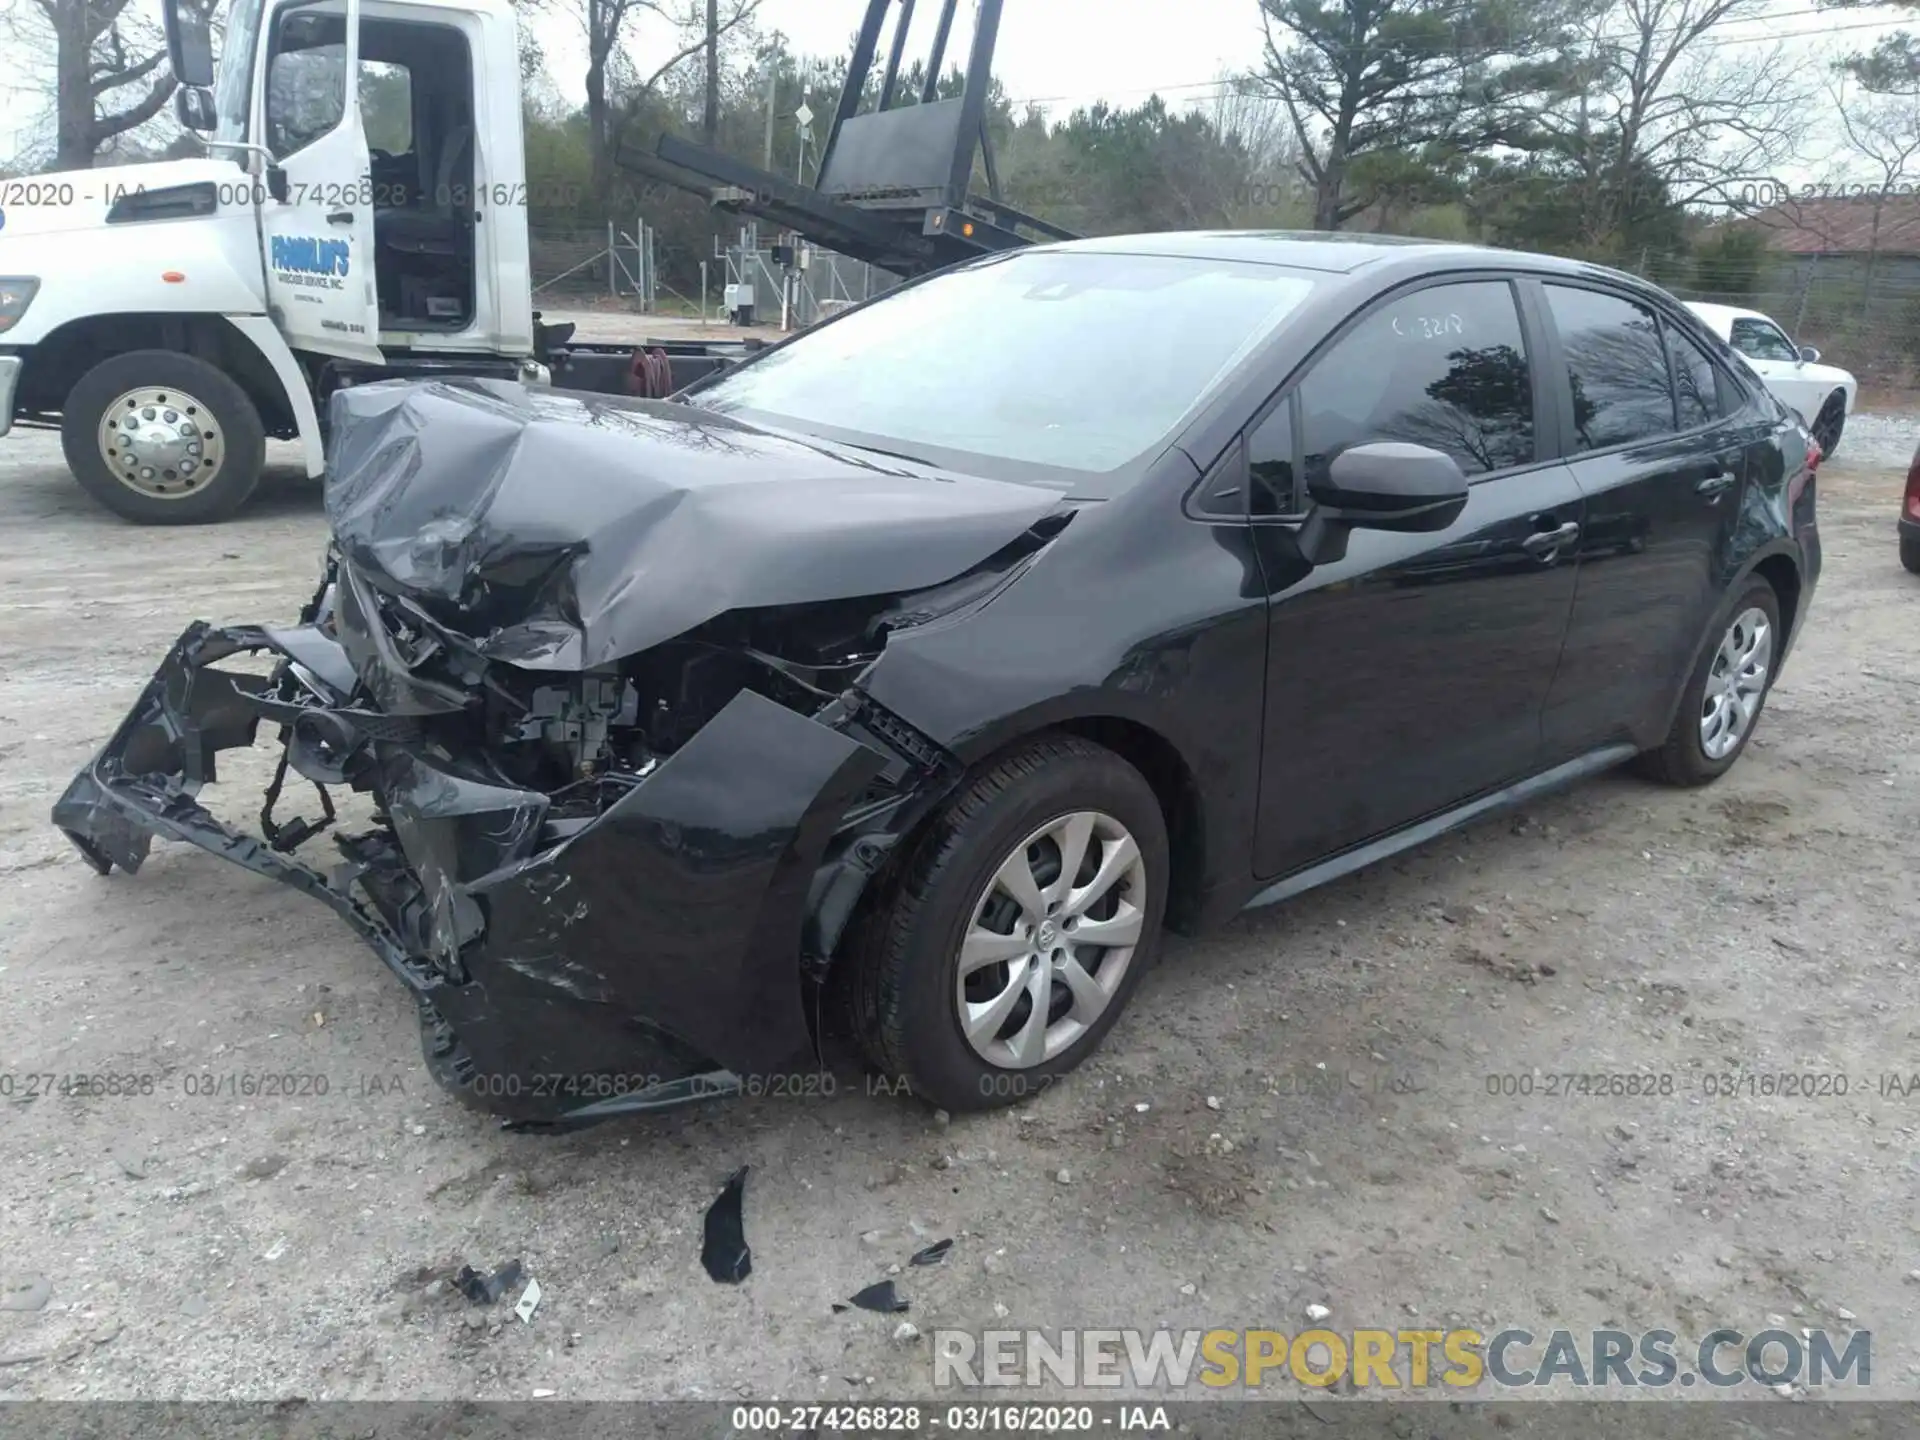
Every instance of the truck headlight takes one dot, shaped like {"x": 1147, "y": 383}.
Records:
{"x": 16, "y": 293}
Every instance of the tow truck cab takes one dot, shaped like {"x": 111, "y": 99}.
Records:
{"x": 168, "y": 317}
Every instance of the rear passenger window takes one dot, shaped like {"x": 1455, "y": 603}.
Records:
{"x": 1696, "y": 389}
{"x": 1444, "y": 367}
{"x": 1615, "y": 366}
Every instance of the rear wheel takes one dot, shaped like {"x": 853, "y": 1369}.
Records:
{"x": 1725, "y": 695}
{"x": 1828, "y": 424}
{"x": 1022, "y": 920}
{"x": 163, "y": 438}
{"x": 1910, "y": 552}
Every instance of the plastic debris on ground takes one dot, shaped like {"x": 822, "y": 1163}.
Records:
{"x": 529, "y": 1301}
{"x": 487, "y": 1289}
{"x": 724, "y": 1250}
{"x": 882, "y": 1299}
{"x": 934, "y": 1254}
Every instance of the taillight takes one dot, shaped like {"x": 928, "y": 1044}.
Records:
{"x": 1913, "y": 488}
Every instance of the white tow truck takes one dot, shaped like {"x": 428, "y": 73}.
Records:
{"x": 170, "y": 316}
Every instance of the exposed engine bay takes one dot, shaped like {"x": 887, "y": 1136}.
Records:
{"x": 585, "y": 739}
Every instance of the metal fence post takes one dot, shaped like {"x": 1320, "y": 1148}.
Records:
{"x": 1806, "y": 291}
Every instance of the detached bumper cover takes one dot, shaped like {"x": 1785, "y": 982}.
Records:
{"x": 564, "y": 970}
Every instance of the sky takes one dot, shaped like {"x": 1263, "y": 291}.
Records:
{"x": 1070, "y": 53}
{"x": 1062, "y": 54}
{"x": 1076, "y": 50}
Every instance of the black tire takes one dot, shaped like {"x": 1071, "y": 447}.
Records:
{"x": 1830, "y": 423}
{"x": 900, "y": 986}
{"x": 244, "y": 439}
{"x": 1910, "y": 552}
{"x": 1682, "y": 760}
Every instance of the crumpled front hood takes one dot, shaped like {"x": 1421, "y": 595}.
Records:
{"x": 562, "y": 530}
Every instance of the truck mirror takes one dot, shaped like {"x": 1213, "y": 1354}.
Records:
{"x": 193, "y": 106}
{"x": 189, "y": 44}
{"x": 277, "y": 183}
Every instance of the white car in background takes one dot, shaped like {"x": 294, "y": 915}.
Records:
{"x": 1822, "y": 395}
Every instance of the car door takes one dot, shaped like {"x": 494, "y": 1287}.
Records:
{"x": 317, "y": 234}
{"x": 1410, "y": 674}
{"x": 1776, "y": 360}
{"x": 1660, "y": 442}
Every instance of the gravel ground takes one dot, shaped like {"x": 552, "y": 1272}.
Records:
{"x": 1873, "y": 439}
{"x": 1295, "y": 1112}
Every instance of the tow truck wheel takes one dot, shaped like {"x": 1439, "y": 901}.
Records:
{"x": 163, "y": 438}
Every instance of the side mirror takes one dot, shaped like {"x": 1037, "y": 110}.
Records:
{"x": 1387, "y": 485}
{"x": 277, "y": 183}
{"x": 189, "y": 43}
{"x": 193, "y": 106}
{"x": 1809, "y": 355}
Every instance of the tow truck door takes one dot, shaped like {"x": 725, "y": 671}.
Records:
{"x": 316, "y": 212}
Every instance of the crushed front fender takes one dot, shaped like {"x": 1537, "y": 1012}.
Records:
{"x": 564, "y": 970}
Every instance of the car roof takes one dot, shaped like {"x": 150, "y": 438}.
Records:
{"x": 1334, "y": 252}
{"x": 1723, "y": 316}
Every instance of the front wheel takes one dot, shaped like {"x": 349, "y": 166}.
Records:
{"x": 163, "y": 438}
{"x": 1725, "y": 694}
{"x": 1020, "y": 924}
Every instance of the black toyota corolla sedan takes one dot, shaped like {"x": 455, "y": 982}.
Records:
{"x": 933, "y": 662}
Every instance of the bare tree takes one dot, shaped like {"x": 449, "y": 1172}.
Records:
{"x": 1881, "y": 136}
{"x": 1669, "y": 108}
{"x": 710, "y": 116}
{"x": 607, "y": 26}
{"x": 110, "y": 75}
{"x": 1255, "y": 128}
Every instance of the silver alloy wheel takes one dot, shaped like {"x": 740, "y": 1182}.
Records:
{"x": 1736, "y": 682}
{"x": 161, "y": 442}
{"x": 1049, "y": 939}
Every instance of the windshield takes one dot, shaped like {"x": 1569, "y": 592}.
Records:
{"x": 234, "y": 79}
{"x": 1078, "y": 363}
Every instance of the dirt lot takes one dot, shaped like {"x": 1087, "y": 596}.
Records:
{"x": 1295, "y": 1112}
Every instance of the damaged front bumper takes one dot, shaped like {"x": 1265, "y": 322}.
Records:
{"x": 565, "y": 969}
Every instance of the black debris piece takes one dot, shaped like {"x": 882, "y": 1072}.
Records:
{"x": 882, "y": 1299}
{"x": 934, "y": 1254}
{"x": 486, "y": 1289}
{"x": 724, "y": 1250}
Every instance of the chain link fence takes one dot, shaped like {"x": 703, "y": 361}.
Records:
{"x": 1862, "y": 312}
{"x": 633, "y": 267}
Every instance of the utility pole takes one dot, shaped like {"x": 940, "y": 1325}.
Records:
{"x": 710, "y": 126}
{"x": 773, "y": 99}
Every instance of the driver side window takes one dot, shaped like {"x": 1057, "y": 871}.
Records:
{"x": 1762, "y": 341}
{"x": 1445, "y": 366}
{"x": 306, "y": 80}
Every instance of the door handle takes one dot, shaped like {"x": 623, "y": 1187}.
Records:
{"x": 1714, "y": 484}
{"x": 340, "y": 217}
{"x": 1544, "y": 544}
